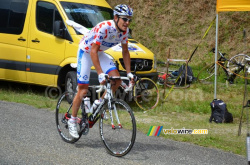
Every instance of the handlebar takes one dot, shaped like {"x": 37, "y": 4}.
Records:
{"x": 130, "y": 87}
{"x": 103, "y": 87}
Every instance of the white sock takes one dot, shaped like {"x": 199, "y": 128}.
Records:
{"x": 73, "y": 119}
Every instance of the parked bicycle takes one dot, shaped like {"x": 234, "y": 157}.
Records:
{"x": 145, "y": 91}
{"x": 117, "y": 125}
{"x": 180, "y": 78}
{"x": 233, "y": 68}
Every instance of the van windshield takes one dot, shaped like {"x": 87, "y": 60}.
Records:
{"x": 86, "y": 15}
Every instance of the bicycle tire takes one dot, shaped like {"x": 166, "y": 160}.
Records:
{"x": 234, "y": 64}
{"x": 206, "y": 73}
{"x": 146, "y": 94}
{"x": 118, "y": 141}
{"x": 62, "y": 117}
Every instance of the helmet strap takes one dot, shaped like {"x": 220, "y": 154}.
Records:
{"x": 116, "y": 23}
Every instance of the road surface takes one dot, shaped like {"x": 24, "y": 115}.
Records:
{"x": 29, "y": 136}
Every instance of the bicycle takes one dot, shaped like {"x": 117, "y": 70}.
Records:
{"x": 234, "y": 67}
{"x": 145, "y": 92}
{"x": 179, "y": 78}
{"x": 117, "y": 125}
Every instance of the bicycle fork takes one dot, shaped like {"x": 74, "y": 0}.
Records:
{"x": 111, "y": 109}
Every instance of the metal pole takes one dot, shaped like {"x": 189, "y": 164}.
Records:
{"x": 215, "y": 56}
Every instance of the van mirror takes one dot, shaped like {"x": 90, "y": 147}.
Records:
{"x": 58, "y": 29}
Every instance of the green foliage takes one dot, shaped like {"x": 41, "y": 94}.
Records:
{"x": 180, "y": 25}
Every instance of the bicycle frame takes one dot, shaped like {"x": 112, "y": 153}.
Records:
{"x": 107, "y": 99}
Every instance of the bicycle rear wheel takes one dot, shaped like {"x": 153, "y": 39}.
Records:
{"x": 146, "y": 94}
{"x": 63, "y": 113}
{"x": 236, "y": 67}
{"x": 119, "y": 137}
{"x": 206, "y": 73}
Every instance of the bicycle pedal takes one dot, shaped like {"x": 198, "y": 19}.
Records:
{"x": 64, "y": 121}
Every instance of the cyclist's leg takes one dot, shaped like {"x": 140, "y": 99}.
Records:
{"x": 84, "y": 64}
{"x": 83, "y": 72}
{"x": 63, "y": 114}
{"x": 109, "y": 68}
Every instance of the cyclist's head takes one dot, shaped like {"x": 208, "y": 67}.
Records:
{"x": 123, "y": 10}
{"x": 122, "y": 16}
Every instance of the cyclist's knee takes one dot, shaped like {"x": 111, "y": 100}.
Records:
{"x": 116, "y": 84}
{"x": 82, "y": 90}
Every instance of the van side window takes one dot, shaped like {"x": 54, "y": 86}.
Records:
{"x": 46, "y": 15}
{"x": 12, "y": 16}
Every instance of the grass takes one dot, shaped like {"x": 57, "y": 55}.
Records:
{"x": 180, "y": 25}
{"x": 190, "y": 109}
{"x": 184, "y": 108}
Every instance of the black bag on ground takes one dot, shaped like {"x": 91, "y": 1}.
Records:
{"x": 220, "y": 113}
{"x": 182, "y": 72}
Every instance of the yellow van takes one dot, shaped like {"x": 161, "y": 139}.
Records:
{"x": 38, "y": 47}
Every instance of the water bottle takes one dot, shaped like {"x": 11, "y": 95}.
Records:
{"x": 87, "y": 104}
{"x": 95, "y": 105}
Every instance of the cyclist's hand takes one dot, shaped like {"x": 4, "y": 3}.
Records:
{"x": 102, "y": 78}
{"x": 131, "y": 78}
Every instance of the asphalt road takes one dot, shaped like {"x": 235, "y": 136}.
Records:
{"x": 29, "y": 136}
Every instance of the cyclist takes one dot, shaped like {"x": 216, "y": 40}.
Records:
{"x": 91, "y": 52}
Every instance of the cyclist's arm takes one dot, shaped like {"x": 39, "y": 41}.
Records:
{"x": 126, "y": 57}
{"x": 95, "y": 59}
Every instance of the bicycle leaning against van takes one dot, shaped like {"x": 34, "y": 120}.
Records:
{"x": 117, "y": 125}
{"x": 145, "y": 92}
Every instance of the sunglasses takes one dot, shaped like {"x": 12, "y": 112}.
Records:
{"x": 126, "y": 19}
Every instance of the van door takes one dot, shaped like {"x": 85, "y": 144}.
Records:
{"x": 14, "y": 21}
{"x": 46, "y": 51}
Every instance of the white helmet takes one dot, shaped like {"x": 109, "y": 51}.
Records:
{"x": 123, "y": 10}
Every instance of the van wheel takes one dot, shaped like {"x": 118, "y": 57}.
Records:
{"x": 70, "y": 84}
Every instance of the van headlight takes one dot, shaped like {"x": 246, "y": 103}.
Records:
{"x": 155, "y": 62}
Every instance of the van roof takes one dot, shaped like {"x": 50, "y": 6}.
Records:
{"x": 102, "y": 3}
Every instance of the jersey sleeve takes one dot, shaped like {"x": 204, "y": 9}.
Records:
{"x": 100, "y": 33}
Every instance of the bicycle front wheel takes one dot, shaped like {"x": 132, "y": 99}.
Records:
{"x": 63, "y": 114}
{"x": 146, "y": 94}
{"x": 117, "y": 127}
{"x": 206, "y": 73}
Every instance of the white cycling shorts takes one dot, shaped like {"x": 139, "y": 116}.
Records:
{"x": 84, "y": 64}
